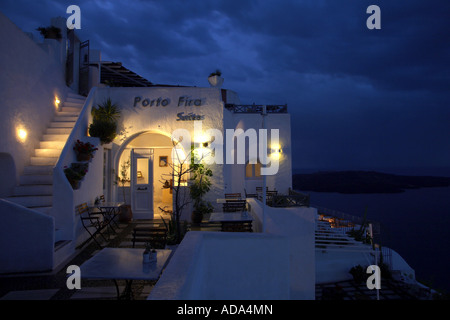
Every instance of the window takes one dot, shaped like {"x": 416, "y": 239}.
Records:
{"x": 253, "y": 171}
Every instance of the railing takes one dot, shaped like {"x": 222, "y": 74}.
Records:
{"x": 63, "y": 194}
{"x": 254, "y": 108}
{"x": 346, "y": 222}
{"x": 293, "y": 199}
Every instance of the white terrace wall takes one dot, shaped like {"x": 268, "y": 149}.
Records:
{"x": 26, "y": 239}
{"x": 297, "y": 224}
{"x": 226, "y": 266}
{"x": 30, "y": 79}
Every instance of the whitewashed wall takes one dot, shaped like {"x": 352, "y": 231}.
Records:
{"x": 30, "y": 78}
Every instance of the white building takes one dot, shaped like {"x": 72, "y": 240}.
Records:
{"x": 44, "y": 114}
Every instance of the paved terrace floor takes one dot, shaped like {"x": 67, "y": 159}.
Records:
{"x": 52, "y": 286}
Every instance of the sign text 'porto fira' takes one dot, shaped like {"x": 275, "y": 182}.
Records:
{"x": 183, "y": 101}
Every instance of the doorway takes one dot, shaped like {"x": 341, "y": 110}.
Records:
{"x": 142, "y": 183}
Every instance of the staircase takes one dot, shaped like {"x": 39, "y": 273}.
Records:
{"x": 328, "y": 238}
{"x": 35, "y": 190}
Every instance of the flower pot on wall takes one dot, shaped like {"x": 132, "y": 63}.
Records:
{"x": 75, "y": 184}
{"x": 84, "y": 157}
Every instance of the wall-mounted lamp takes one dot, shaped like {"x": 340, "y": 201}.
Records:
{"x": 57, "y": 102}
{"x": 22, "y": 134}
{"x": 276, "y": 151}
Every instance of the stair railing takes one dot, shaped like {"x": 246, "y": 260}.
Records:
{"x": 63, "y": 194}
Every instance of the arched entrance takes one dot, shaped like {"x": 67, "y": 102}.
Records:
{"x": 144, "y": 162}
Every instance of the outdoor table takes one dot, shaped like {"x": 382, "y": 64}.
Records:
{"x": 124, "y": 264}
{"x": 109, "y": 210}
{"x": 231, "y": 219}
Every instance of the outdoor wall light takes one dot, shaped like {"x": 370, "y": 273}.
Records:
{"x": 57, "y": 102}
{"x": 275, "y": 152}
{"x": 22, "y": 134}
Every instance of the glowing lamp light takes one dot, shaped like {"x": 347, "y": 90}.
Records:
{"x": 276, "y": 152}
{"x": 22, "y": 134}
{"x": 57, "y": 102}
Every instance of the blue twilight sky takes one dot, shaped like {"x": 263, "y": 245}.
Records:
{"x": 358, "y": 98}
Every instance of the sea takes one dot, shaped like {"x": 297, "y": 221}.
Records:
{"x": 415, "y": 223}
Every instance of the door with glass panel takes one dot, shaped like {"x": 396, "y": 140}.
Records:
{"x": 142, "y": 183}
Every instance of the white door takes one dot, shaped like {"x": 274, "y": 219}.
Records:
{"x": 142, "y": 183}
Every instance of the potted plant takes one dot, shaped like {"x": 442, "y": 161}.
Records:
{"x": 126, "y": 214}
{"x": 75, "y": 173}
{"x": 200, "y": 186}
{"x": 104, "y": 121}
{"x": 51, "y": 32}
{"x": 215, "y": 79}
{"x": 84, "y": 150}
{"x": 358, "y": 273}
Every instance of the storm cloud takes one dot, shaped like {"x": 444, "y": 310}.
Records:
{"x": 358, "y": 98}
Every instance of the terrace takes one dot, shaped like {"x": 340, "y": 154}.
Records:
{"x": 291, "y": 259}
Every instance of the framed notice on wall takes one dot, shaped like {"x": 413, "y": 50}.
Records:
{"x": 163, "y": 161}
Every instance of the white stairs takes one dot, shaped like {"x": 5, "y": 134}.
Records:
{"x": 328, "y": 238}
{"x": 35, "y": 188}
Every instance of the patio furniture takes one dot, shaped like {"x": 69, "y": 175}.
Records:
{"x": 110, "y": 210}
{"x": 233, "y": 221}
{"x": 155, "y": 233}
{"x": 232, "y": 205}
{"x": 94, "y": 223}
{"x": 124, "y": 264}
{"x": 250, "y": 195}
{"x": 233, "y": 195}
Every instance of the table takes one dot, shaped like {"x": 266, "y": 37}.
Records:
{"x": 233, "y": 221}
{"x": 109, "y": 210}
{"x": 124, "y": 264}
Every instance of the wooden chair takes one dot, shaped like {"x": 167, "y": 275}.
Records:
{"x": 233, "y": 205}
{"x": 250, "y": 195}
{"x": 92, "y": 221}
{"x": 260, "y": 189}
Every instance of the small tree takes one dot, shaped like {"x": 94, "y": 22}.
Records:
{"x": 123, "y": 178}
{"x": 200, "y": 186}
{"x": 182, "y": 167}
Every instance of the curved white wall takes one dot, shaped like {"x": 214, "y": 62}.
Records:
{"x": 30, "y": 78}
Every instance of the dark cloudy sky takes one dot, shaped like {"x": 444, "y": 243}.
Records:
{"x": 359, "y": 98}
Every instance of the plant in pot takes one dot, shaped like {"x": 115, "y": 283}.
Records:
{"x": 126, "y": 214}
{"x": 215, "y": 79}
{"x": 75, "y": 173}
{"x": 358, "y": 273}
{"x": 84, "y": 150}
{"x": 51, "y": 32}
{"x": 104, "y": 121}
{"x": 200, "y": 185}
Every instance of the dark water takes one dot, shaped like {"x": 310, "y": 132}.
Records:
{"x": 415, "y": 223}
